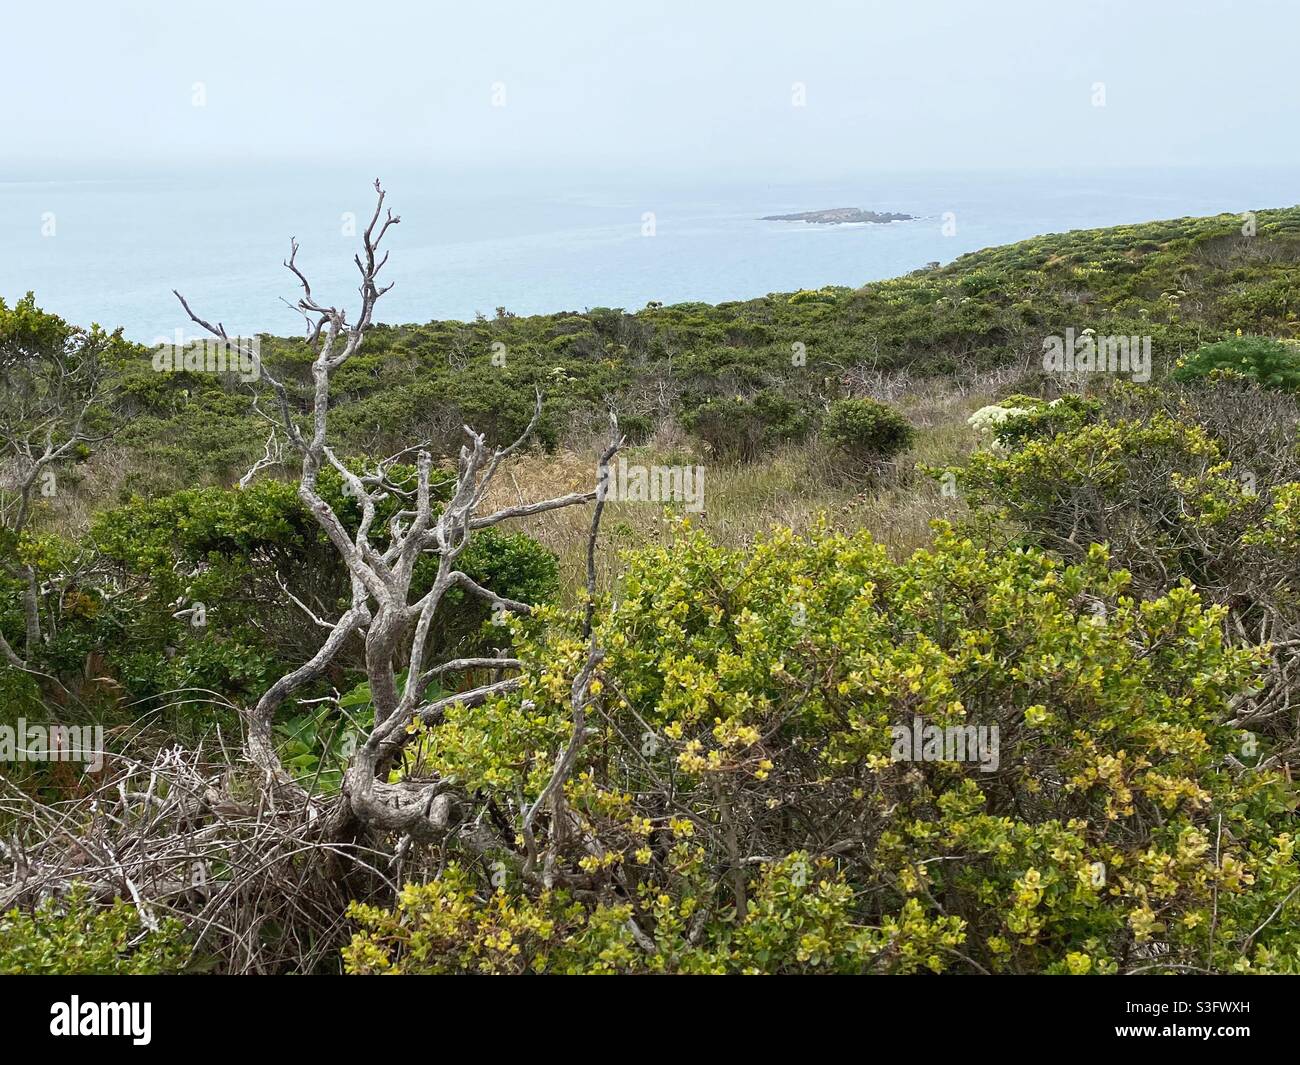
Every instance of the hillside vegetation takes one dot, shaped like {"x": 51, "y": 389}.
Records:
{"x": 769, "y": 366}
{"x": 686, "y": 756}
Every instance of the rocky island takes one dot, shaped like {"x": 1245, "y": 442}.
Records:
{"x": 837, "y": 215}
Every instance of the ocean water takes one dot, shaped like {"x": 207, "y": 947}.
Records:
{"x": 109, "y": 247}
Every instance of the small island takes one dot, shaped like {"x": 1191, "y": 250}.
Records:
{"x": 838, "y": 215}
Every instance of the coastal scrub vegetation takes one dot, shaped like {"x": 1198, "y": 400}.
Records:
{"x": 389, "y": 682}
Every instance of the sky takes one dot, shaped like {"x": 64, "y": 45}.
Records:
{"x": 699, "y": 87}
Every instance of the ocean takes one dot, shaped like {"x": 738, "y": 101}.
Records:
{"x": 109, "y": 247}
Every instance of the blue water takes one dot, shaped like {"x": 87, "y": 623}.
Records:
{"x": 530, "y": 243}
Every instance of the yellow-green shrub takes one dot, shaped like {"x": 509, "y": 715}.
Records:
{"x": 74, "y": 936}
{"x": 737, "y": 804}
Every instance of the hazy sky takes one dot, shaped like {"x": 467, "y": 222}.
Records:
{"x": 699, "y": 85}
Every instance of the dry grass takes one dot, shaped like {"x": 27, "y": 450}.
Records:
{"x": 792, "y": 488}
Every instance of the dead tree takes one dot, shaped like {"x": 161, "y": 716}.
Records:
{"x": 385, "y": 614}
{"x": 158, "y": 826}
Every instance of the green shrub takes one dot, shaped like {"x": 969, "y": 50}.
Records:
{"x": 737, "y": 428}
{"x": 1272, "y": 363}
{"x": 499, "y": 405}
{"x": 232, "y": 550}
{"x": 75, "y": 937}
{"x": 745, "y": 707}
{"x": 637, "y": 428}
{"x": 1157, "y": 490}
{"x": 513, "y": 565}
{"x": 867, "y": 430}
